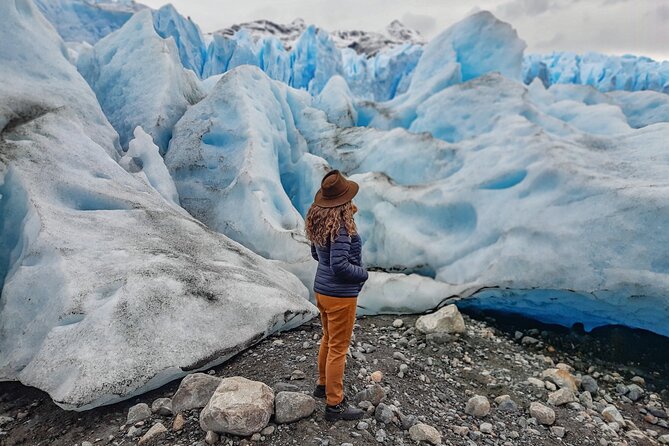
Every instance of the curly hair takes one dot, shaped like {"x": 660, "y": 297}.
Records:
{"x": 322, "y": 224}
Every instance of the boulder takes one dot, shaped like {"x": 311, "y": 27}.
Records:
{"x": 238, "y": 406}
{"x": 292, "y": 406}
{"x": 561, "y": 396}
{"x": 543, "y": 414}
{"x": 446, "y": 320}
{"x": 194, "y": 392}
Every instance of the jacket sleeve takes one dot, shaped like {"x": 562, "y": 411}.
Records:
{"x": 314, "y": 254}
{"x": 355, "y": 256}
{"x": 340, "y": 265}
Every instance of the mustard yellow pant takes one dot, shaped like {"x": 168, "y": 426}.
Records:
{"x": 338, "y": 318}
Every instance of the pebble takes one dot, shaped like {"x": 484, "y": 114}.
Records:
{"x": 460, "y": 430}
{"x": 397, "y": 323}
{"x": 162, "y": 406}
{"x": 383, "y": 413}
{"x": 558, "y": 431}
{"x": 561, "y": 397}
{"x": 4, "y": 419}
{"x": 486, "y": 428}
{"x": 507, "y": 406}
{"x": 154, "y": 434}
{"x": 634, "y": 392}
{"x": 377, "y": 376}
{"x": 374, "y": 394}
{"x": 590, "y": 384}
{"x": 211, "y": 437}
{"x": 133, "y": 432}
{"x": 610, "y": 413}
{"x": 269, "y": 430}
{"x": 362, "y": 425}
{"x": 638, "y": 380}
{"x": 138, "y": 412}
{"x": 536, "y": 382}
{"x": 478, "y": 406}
{"x": 297, "y": 374}
{"x": 178, "y": 423}
{"x": 424, "y": 432}
{"x": 544, "y": 415}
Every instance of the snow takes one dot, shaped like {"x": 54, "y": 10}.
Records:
{"x": 139, "y": 80}
{"x": 107, "y": 290}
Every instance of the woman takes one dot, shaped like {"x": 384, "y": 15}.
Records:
{"x": 339, "y": 278}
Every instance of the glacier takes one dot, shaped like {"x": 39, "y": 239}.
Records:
{"x": 159, "y": 174}
{"x": 139, "y": 80}
{"x": 376, "y": 66}
{"x": 186, "y": 35}
{"x": 79, "y": 21}
{"x": 604, "y": 72}
{"x": 107, "y": 289}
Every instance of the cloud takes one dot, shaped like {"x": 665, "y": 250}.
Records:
{"x": 524, "y": 7}
{"x": 425, "y": 24}
{"x": 552, "y": 43}
{"x": 662, "y": 12}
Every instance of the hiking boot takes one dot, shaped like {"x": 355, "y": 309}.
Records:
{"x": 342, "y": 411}
{"x": 319, "y": 391}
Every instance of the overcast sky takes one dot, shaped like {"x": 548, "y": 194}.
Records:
{"x": 609, "y": 26}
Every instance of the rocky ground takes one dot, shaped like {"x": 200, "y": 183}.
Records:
{"x": 485, "y": 386}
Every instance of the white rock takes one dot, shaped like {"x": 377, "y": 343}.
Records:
{"x": 446, "y": 320}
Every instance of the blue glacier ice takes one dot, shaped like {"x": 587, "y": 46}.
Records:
{"x": 186, "y": 34}
{"x": 83, "y": 21}
{"x": 604, "y": 72}
{"x": 240, "y": 145}
{"x": 382, "y": 76}
{"x": 489, "y": 168}
{"x": 477, "y": 45}
{"x": 108, "y": 291}
{"x": 139, "y": 80}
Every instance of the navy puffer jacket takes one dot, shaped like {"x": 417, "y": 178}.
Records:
{"x": 340, "y": 272}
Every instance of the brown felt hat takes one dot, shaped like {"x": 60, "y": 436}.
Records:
{"x": 335, "y": 190}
